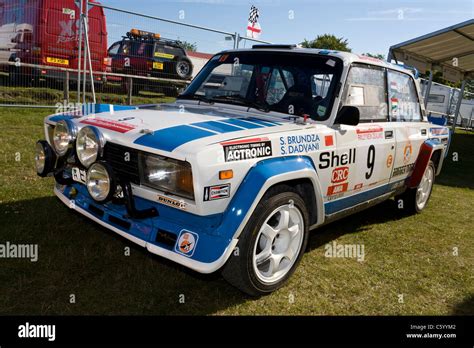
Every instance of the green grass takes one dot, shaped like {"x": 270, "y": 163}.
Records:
{"x": 49, "y": 96}
{"x": 411, "y": 255}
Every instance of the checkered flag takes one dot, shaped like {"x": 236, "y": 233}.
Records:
{"x": 253, "y": 16}
{"x": 253, "y": 27}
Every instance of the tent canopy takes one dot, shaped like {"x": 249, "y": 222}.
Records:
{"x": 449, "y": 50}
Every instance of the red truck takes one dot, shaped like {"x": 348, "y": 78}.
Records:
{"x": 45, "y": 32}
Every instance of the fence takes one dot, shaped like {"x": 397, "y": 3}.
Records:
{"x": 50, "y": 56}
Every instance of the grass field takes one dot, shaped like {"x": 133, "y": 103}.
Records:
{"x": 410, "y": 256}
{"x": 50, "y": 96}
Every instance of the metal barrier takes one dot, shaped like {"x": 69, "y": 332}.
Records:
{"x": 150, "y": 64}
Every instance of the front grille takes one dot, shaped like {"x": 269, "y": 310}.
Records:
{"x": 124, "y": 162}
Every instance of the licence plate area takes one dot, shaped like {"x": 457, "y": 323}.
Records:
{"x": 79, "y": 175}
{"x": 158, "y": 65}
{"x": 59, "y": 61}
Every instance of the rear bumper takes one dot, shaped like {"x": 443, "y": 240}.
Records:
{"x": 210, "y": 251}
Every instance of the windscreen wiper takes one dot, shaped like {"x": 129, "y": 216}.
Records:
{"x": 261, "y": 106}
{"x": 201, "y": 98}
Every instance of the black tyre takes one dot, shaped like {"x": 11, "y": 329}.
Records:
{"x": 184, "y": 68}
{"x": 271, "y": 244}
{"x": 415, "y": 199}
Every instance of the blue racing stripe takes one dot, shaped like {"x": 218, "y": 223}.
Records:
{"x": 217, "y": 126}
{"x": 241, "y": 123}
{"x": 169, "y": 139}
{"x": 263, "y": 123}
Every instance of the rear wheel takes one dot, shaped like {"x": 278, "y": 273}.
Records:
{"x": 271, "y": 244}
{"x": 416, "y": 199}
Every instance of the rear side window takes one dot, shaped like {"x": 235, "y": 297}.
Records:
{"x": 403, "y": 99}
{"x": 366, "y": 89}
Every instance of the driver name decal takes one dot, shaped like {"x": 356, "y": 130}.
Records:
{"x": 294, "y": 144}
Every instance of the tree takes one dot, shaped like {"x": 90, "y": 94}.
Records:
{"x": 189, "y": 46}
{"x": 377, "y": 55}
{"x": 329, "y": 42}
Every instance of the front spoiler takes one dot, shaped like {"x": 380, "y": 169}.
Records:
{"x": 201, "y": 267}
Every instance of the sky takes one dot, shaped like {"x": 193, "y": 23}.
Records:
{"x": 369, "y": 25}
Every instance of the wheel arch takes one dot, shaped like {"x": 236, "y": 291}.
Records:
{"x": 296, "y": 171}
{"x": 428, "y": 149}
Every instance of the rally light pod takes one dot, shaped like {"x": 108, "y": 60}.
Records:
{"x": 45, "y": 158}
{"x": 101, "y": 183}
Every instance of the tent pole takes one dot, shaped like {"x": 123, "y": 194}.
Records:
{"x": 428, "y": 88}
{"x": 458, "y": 105}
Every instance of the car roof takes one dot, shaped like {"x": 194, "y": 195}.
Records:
{"x": 347, "y": 57}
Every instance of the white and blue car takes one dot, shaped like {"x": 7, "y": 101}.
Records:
{"x": 264, "y": 145}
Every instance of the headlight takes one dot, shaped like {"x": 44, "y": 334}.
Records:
{"x": 100, "y": 182}
{"x": 44, "y": 158}
{"x": 64, "y": 135}
{"x": 89, "y": 145}
{"x": 168, "y": 175}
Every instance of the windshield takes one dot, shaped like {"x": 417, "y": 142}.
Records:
{"x": 286, "y": 82}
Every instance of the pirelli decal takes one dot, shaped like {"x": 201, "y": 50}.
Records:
{"x": 247, "y": 149}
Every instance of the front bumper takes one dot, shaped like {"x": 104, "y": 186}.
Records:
{"x": 210, "y": 252}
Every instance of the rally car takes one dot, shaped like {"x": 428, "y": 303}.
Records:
{"x": 144, "y": 53}
{"x": 264, "y": 145}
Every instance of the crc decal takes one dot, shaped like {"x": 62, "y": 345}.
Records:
{"x": 339, "y": 175}
{"x": 336, "y": 189}
{"x": 171, "y": 202}
{"x": 294, "y": 144}
{"x": 331, "y": 159}
{"x": 407, "y": 152}
{"x": 187, "y": 242}
{"x": 116, "y": 126}
{"x": 211, "y": 193}
{"x": 370, "y": 133}
{"x": 402, "y": 170}
{"x": 247, "y": 149}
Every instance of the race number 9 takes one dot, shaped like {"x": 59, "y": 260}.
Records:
{"x": 370, "y": 162}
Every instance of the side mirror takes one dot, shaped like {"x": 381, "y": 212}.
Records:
{"x": 349, "y": 115}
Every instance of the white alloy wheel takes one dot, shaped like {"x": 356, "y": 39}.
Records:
{"x": 424, "y": 188}
{"x": 278, "y": 243}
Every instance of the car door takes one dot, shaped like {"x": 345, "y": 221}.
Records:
{"x": 406, "y": 119}
{"x": 365, "y": 151}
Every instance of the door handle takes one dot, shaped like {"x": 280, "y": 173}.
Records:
{"x": 388, "y": 134}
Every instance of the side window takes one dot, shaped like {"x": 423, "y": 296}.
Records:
{"x": 114, "y": 49}
{"x": 365, "y": 88}
{"x": 404, "y": 103}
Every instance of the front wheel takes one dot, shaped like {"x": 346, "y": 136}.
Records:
{"x": 416, "y": 199}
{"x": 271, "y": 244}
